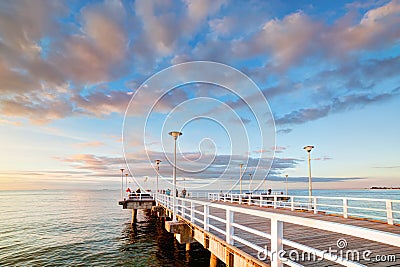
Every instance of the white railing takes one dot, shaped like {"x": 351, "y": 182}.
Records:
{"x": 197, "y": 195}
{"x": 190, "y": 194}
{"x": 377, "y": 209}
{"x": 140, "y": 196}
{"x": 198, "y": 212}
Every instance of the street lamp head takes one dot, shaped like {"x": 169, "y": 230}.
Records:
{"x": 126, "y": 174}
{"x": 158, "y": 161}
{"x": 287, "y": 175}
{"x": 241, "y": 165}
{"x": 122, "y": 170}
{"x": 308, "y": 148}
{"x": 175, "y": 134}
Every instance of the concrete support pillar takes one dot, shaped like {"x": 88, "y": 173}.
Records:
{"x": 187, "y": 246}
{"x": 213, "y": 260}
{"x": 134, "y": 216}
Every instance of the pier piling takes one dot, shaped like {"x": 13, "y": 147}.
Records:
{"x": 134, "y": 216}
{"x": 213, "y": 260}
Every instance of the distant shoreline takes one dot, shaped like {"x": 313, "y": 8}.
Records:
{"x": 384, "y": 187}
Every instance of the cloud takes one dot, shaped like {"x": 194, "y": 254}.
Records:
{"x": 376, "y": 28}
{"x": 276, "y": 38}
{"x": 98, "y": 50}
{"x": 215, "y": 166}
{"x": 322, "y": 158}
{"x": 338, "y": 104}
{"x": 284, "y": 131}
{"x": 314, "y": 179}
{"x": 38, "y": 108}
{"x": 9, "y": 122}
{"x": 42, "y": 67}
{"x": 92, "y": 162}
{"x": 199, "y": 10}
{"x": 303, "y": 115}
{"x": 102, "y": 103}
{"x": 297, "y": 37}
{"x": 23, "y": 27}
{"x": 168, "y": 24}
{"x": 387, "y": 167}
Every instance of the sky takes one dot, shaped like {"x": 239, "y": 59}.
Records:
{"x": 90, "y": 87}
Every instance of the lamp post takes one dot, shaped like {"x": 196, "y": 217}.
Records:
{"x": 175, "y": 135}
{"x": 122, "y": 183}
{"x": 286, "y": 184}
{"x": 308, "y": 149}
{"x": 126, "y": 179}
{"x": 157, "y": 169}
{"x": 240, "y": 178}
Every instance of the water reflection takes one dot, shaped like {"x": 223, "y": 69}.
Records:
{"x": 151, "y": 245}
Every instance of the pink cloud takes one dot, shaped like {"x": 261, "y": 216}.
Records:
{"x": 376, "y": 28}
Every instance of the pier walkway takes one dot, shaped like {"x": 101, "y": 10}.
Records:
{"x": 260, "y": 230}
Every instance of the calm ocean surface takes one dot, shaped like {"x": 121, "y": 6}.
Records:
{"x": 84, "y": 228}
{"x": 89, "y": 228}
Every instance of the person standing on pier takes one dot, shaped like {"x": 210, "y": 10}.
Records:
{"x": 184, "y": 193}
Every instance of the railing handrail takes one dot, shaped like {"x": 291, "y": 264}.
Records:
{"x": 340, "y": 205}
{"x": 141, "y": 195}
{"x": 277, "y": 220}
{"x": 307, "y": 197}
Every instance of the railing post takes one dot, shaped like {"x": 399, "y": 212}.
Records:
{"x": 178, "y": 207}
{"x": 292, "y": 203}
{"x": 206, "y": 218}
{"x": 183, "y": 208}
{"x": 261, "y": 200}
{"x": 240, "y": 199}
{"x": 229, "y": 227}
{"x": 192, "y": 212}
{"x": 276, "y": 242}
{"x": 275, "y": 199}
{"x": 345, "y": 207}
{"x": 231, "y": 198}
{"x": 249, "y": 202}
{"x": 315, "y": 205}
{"x": 389, "y": 212}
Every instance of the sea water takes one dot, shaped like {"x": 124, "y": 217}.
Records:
{"x": 84, "y": 228}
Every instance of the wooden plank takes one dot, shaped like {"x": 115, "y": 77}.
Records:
{"x": 308, "y": 236}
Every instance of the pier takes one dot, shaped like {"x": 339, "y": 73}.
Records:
{"x": 277, "y": 230}
{"x": 137, "y": 201}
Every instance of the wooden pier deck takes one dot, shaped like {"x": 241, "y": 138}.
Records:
{"x": 301, "y": 235}
{"x": 312, "y": 237}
